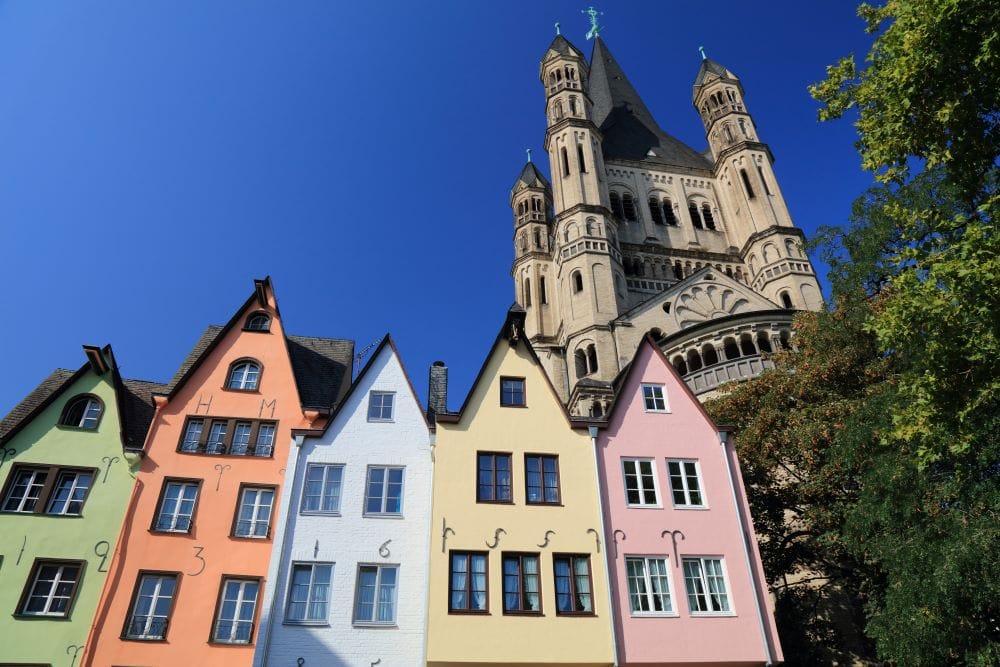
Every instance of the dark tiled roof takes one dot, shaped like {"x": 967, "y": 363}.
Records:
{"x": 563, "y": 46}
{"x": 629, "y": 129}
{"x": 137, "y": 409}
{"x": 709, "y": 66}
{"x": 207, "y": 337}
{"x": 39, "y": 396}
{"x": 322, "y": 369}
{"x": 531, "y": 177}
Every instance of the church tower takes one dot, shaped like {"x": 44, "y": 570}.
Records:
{"x": 531, "y": 200}
{"x": 769, "y": 244}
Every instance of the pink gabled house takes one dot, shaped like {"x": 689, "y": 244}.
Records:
{"x": 686, "y": 577}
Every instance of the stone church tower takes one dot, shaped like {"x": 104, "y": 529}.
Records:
{"x": 637, "y": 232}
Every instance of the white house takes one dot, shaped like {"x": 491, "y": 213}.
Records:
{"x": 348, "y": 575}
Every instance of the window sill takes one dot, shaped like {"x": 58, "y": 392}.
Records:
{"x": 67, "y": 427}
{"x": 658, "y": 412}
{"x": 713, "y": 614}
{"x": 156, "y": 531}
{"x": 644, "y": 507}
{"x": 696, "y": 508}
{"x": 654, "y": 614}
{"x": 261, "y": 331}
{"x": 213, "y": 642}
{"x": 513, "y": 406}
{"x": 41, "y": 514}
{"x": 152, "y": 640}
{"x": 576, "y": 614}
{"x": 367, "y": 624}
{"x": 241, "y": 391}
{"x": 40, "y": 617}
{"x": 381, "y": 421}
{"x": 382, "y": 515}
{"x": 307, "y": 624}
{"x": 469, "y": 612}
{"x": 494, "y": 502}
{"x": 319, "y": 513}
{"x": 538, "y": 504}
{"x": 255, "y": 538}
{"x": 202, "y": 452}
{"x": 536, "y": 614}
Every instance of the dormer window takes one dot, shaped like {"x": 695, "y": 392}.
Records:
{"x": 244, "y": 375}
{"x": 258, "y": 322}
{"x": 82, "y": 412}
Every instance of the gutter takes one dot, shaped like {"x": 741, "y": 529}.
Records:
{"x": 607, "y": 565}
{"x": 723, "y": 437}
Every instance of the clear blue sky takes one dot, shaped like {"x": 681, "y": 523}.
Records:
{"x": 157, "y": 156}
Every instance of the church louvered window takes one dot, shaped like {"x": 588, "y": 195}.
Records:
{"x": 746, "y": 183}
{"x": 616, "y": 206}
{"x": 668, "y": 213}
{"x": 579, "y": 155}
{"x": 654, "y": 210}
{"x": 565, "y": 161}
{"x": 695, "y": 216}
{"x": 628, "y": 207}
{"x": 706, "y": 212}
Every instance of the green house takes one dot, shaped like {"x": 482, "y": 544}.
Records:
{"x": 68, "y": 453}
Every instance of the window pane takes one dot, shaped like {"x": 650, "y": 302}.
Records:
{"x": 265, "y": 440}
{"x": 241, "y": 438}
{"x": 192, "y": 435}
{"x": 364, "y": 609}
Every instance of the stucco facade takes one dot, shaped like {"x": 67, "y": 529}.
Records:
{"x": 331, "y": 534}
{"x": 61, "y": 458}
{"x": 488, "y": 539}
{"x": 677, "y": 517}
{"x": 186, "y": 584}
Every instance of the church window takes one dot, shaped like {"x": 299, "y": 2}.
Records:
{"x": 770, "y": 253}
{"x": 790, "y": 248}
{"x": 706, "y": 212}
{"x": 680, "y": 365}
{"x": 747, "y": 346}
{"x": 746, "y": 183}
{"x": 760, "y": 172}
{"x": 731, "y": 349}
{"x": 572, "y": 106}
{"x": 616, "y": 206}
{"x": 695, "y": 216}
{"x": 743, "y": 128}
{"x": 654, "y": 210}
{"x": 694, "y": 361}
{"x": 592, "y": 358}
{"x": 559, "y": 110}
{"x": 786, "y": 300}
{"x": 753, "y": 265}
{"x": 668, "y": 213}
{"x": 784, "y": 339}
{"x": 729, "y": 94}
{"x": 580, "y": 357}
{"x": 628, "y": 207}
{"x": 579, "y": 156}
{"x": 678, "y": 270}
{"x": 729, "y": 133}
{"x": 729, "y": 271}
{"x": 538, "y": 239}
{"x": 558, "y": 75}
{"x": 762, "y": 342}
{"x": 577, "y": 278}
{"x": 570, "y": 74}
{"x": 709, "y": 355}
{"x": 527, "y": 291}
{"x": 542, "y": 297}
{"x": 565, "y": 161}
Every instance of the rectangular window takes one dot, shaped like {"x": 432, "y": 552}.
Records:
{"x": 521, "y": 584}
{"x": 47, "y": 489}
{"x": 253, "y": 518}
{"x": 380, "y": 406}
{"x": 152, "y": 603}
{"x": 648, "y": 585}
{"x": 322, "y": 489}
{"x": 512, "y": 392}
{"x": 541, "y": 479}
{"x": 685, "y": 483}
{"x": 375, "y": 599}
{"x": 235, "y": 437}
{"x": 176, "y": 508}
{"x": 493, "y": 478}
{"x": 706, "y": 586}
{"x": 384, "y": 494}
{"x": 640, "y": 483}
{"x": 237, "y": 610}
{"x": 573, "y": 589}
{"x": 309, "y": 593}
{"x": 652, "y": 396}
{"x": 467, "y": 577}
{"x": 51, "y": 588}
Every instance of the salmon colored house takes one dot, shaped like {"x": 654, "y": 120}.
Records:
{"x": 186, "y": 581}
{"x": 686, "y": 575}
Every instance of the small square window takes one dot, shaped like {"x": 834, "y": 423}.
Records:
{"x": 253, "y": 516}
{"x": 309, "y": 593}
{"x": 176, "y": 509}
{"x": 51, "y": 588}
{"x": 685, "y": 483}
{"x": 653, "y": 397}
{"x": 375, "y": 598}
{"x": 705, "y": 581}
{"x": 236, "y": 611}
{"x": 322, "y": 489}
{"x": 512, "y": 392}
{"x": 380, "y": 406}
{"x": 541, "y": 479}
{"x": 640, "y": 483}
{"x": 384, "y": 490}
{"x": 493, "y": 478}
{"x": 468, "y": 581}
{"x": 152, "y": 603}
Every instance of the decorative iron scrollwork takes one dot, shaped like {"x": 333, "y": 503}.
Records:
{"x": 73, "y": 650}
{"x": 5, "y": 453}
{"x": 673, "y": 538}
{"x": 221, "y": 468}
{"x": 597, "y": 538}
{"x": 444, "y": 532}
{"x": 496, "y": 538}
{"x": 545, "y": 543}
{"x": 20, "y": 553}
{"x": 614, "y": 537}
{"x": 109, "y": 460}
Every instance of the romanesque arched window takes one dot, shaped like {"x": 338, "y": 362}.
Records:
{"x": 616, "y": 205}
{"x": 786, "y": 300}
{"x": 706, "y": 212}
{"x": 747, "y": 346}
{"x": 790, "y": 248}
{"x": 565, "y": 161}
{"x": 542, "y": 296}
{"x": 679, "y": 364}
{"x": 628, "y": 207}
{"x": 668, "y": 213}
{"x": 708, "y": 354}
{"x": 695, "y": 216}
{"x": 592, "y": 358}
{"x": 580, "y": 361}
{"x": 572, "y": 105}
{"x": 763, "y": 342}
{"x": 746, "y": 183}
{"x": 760, "y": 172}
{"x": 527, "y": 292}
{"x": 654, "y": 210}
{"x": 577, "y": 279}
{"x": 538, "y": 239}
{"x": 731, "y": 349}
{"x": 693, "y": 361}
{"x": 579, "y": 156}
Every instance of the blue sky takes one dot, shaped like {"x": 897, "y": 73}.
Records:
{"x": 157, "y": 156}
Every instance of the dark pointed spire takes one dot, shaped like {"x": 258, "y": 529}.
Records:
{"x": 710, "y": 68}
{"x": 530, "y": 177}
{"x": 562, "y": 46}
{"x": 629, "y": 129}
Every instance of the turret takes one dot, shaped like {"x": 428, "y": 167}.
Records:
{"x": 531, "y": 201}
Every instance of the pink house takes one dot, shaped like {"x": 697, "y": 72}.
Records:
{"x": 686, "y": 578}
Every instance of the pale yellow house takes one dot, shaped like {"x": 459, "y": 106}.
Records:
{"x": 517, "y": 572}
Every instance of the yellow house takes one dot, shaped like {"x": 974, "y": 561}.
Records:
{"x": 518, "y": 573}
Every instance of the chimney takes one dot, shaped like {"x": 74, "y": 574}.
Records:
{"x": 437, "y": 390}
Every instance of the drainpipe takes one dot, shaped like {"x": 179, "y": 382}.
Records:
{"x": 293, "y": 464}
{"x": 427, "y": 569}
{"x": 746, "y": 549}
{"x": 607, "y": 564}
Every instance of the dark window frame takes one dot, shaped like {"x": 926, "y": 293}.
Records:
{"x": 29, "y": 585}
{"x": 254, "y": 315}
{"x": 254, "y": 624}
{"x": 227, "y": 443}
{"x": 71, "y": 403}
{"x": 520, "y": 583}
{"x": 541, "y": 461}
{"x": 159, "y": 505}
{"x": 134, "y": 598}
{"x": 524, "y": 392}
{"x": 468, "y": 554}
{"x": 239, "y": 503}
{"x": 52, "y": 475}
{"x": 510, "y": 458}
{"x": 572, "y": 580}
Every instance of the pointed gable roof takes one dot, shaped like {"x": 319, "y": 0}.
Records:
{"x": 530, "y": 177}
{"x": 708, "y": 71}
{"x": 563, "y": 47}
{"x": 629, "y": 129}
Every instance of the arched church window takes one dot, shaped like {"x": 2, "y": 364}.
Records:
{"x": 538, "y": 239}
{"x": 668, "y": 213}
{"x": 784, "y": 339}
{"x": 743, "y": 128}
{"x": 591, "y": 358}
{"x": 572, "y": 105}
{"x": 786, "y": 300}
{"x": 709, "y": 355}
{"x": 558, "y": 75}
{"x": 579, "y": 156}
{"x": 731, "y": 349}
{"x": 790, "y": 248}
{"x": 770, "y": 253}
{"x": 570, "y": 74}
{"x": 763, "y": 342}
{"x": 695, "y": 216}
{"x": 694, "y": 361}
{"x": 729, "y": 133}
{"x": 654, "y": 211}
{"x": 590, "y": 226}
{"x": 616, "y": 205}
{"x": 706, "y": 212}
{"x": 527, "y": 291}
{"x": 760, "y": 172}
{"x": 559, "y": 110}
{"x": 577, "y": 278}
{"x": 565, "y": 161}
{"x": 747, "y": 346}
{"x": 729, "y": 94}
{"x": 680, "y": 365}
{"x": 542, "y": 296}
{"x": 729, "y": 271}
{"x": 678, "y": 270}
{"x": 746, "y": 183}
{"x": 628, "y": 207}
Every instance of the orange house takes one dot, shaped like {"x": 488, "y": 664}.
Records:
{"x": 187, "y": 582}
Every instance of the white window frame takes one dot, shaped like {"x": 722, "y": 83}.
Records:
{"x": 312, "y": 565}
{"x": 703, "y": 579}
{"x": 240, "y": 601}
{"x": 75, "y": 486}
{"x": 261, "y": 448}
{"x": 240, "y": 444}
{"x": 652, "y": 386}
{"x": 243, "y": 381}
{"x": 656, "y": 483}
{"x": 340, "y": 489}
{"x": 152, "y": 615}
{"x": 33, "y": 485}
{"x": 176, "y": 515}
{"x": 376, "y": 603}
{"x": 50, "y": 595}
{"x": 385, "y": 491}
{"x": 194, "y": 427}
{"x": 671, "y": 597}
{"x": 255, "y": 519}
{"x": 392, "y": 405}
{"x": 687, "y": 504}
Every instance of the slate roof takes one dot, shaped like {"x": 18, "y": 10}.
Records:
{"x": 38, "y": 396}
{"x": 562, "y": 46}
{"x": 709, "y": 66}
{"x": 137, "y": 410}
{"x": 531, "y": 177}
{"x": 207, "y": 338}
{"x": 629, "y": 129}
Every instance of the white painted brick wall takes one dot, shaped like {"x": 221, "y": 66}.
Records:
{"x": 351, "y": 538}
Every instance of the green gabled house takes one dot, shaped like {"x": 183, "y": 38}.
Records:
{"x": 68, "y": 453}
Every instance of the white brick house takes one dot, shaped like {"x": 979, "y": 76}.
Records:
{"x": 348, "y": 575}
